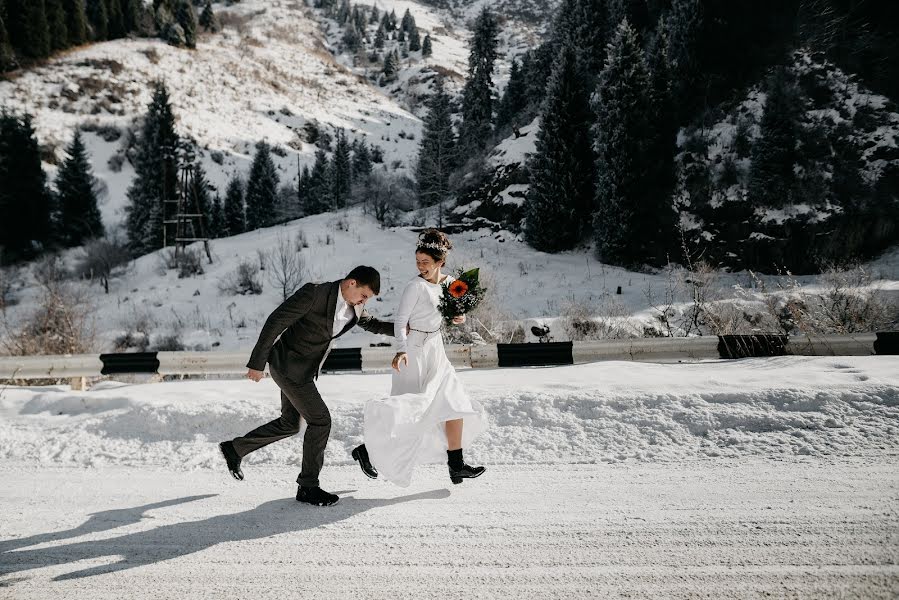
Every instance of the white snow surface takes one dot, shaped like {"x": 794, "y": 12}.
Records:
{"x": 753, "y": 478}
{"x": 531, "y": 287}
{"x": 274, "y": 67}
{"x": 598, "y": 413}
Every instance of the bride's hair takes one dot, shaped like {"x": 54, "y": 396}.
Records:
{"x": 434, "y": 243}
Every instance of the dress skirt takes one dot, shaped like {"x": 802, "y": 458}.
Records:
{"x": 407, "y": 428}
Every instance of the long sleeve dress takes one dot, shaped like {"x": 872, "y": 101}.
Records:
{"x": 407, "y": 428}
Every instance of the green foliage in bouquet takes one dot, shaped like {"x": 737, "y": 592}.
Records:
{"x": 460, "y": 296}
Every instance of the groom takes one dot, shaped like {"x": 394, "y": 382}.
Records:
{"x": 308, "y": 322}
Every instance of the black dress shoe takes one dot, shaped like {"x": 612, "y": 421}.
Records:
{"x": 232, "y": 459}
{"x": 466, "y": 472}
{"x": 316, "y": 496}
{"x": 360, "y": 455}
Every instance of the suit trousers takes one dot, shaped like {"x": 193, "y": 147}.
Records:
{"x": 298, "y": 400}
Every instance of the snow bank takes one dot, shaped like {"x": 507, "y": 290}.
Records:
{"x": 604, "y": 412}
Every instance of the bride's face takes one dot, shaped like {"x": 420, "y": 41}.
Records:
{"x": 427, "y": 266}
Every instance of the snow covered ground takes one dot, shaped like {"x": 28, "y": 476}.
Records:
{"x": 266, "y": 75}
{"x": 531, "y": 287}
{"x": 715, "y": 479}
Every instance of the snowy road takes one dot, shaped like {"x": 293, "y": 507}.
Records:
{"x": 723, "y": 479}
{"x": 803, "y": 527}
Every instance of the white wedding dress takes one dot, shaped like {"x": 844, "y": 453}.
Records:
{"x": 407, "y": 428}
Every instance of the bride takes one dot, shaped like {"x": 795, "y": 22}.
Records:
{"x": 428, "y": 411}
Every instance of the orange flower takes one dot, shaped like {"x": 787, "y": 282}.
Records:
{"x": 458, "y": 288}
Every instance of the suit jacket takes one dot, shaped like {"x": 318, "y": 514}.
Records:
{"x": 305, "y": 322}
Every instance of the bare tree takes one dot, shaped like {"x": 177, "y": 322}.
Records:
{"x": 384, "y": 194}
{"x": 100, "y": 258}
{"x": 62, "y": 323}
{"x": 287, "y": 269}
{"x": 8, "y": 277}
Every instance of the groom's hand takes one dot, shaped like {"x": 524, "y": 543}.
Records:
{"x": 458, "y": 320}
{"x": 400, "y": 357}
{"x": 255, "y": 375}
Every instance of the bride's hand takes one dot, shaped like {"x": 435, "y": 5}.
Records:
{"x": 400, "y": 356}
{"x": 459, "y": 319}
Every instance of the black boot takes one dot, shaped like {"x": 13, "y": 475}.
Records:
{"x": 360, "y": 455}
{"x": 316, "y": 496}
{"x": 458, "y": 470}
{"x": 232, "y": 458}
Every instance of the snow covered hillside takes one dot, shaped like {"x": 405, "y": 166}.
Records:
{"x": 269, "y": 72}
{"x": 525, "y": 286}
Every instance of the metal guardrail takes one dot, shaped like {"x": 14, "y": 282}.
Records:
{"x": 465, "y": 356}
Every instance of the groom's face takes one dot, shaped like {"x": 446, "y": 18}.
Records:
{"x": 357, "y": 294}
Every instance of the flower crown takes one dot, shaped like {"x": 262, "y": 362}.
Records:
{"x": 434, "y": 245}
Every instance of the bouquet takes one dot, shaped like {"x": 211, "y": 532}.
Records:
{"x": 460, "y": 296}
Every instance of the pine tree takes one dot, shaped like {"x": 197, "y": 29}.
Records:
{"x": 437, "y": 154}
{"x": 79, "y": 215}
{"x": 262, "y": 189}
{"x": 76, "y": 22}
{"x": 116, "y": 19}
{"x": 132, "y": 11}
{"x": 56, "y": 21}
{"x": 391, "y": 21}
{"x": 401, "y": 36}
{"x": 235, "y": 217}
{"x": 391, "y": 64}
{"x": 359, "y": 19}
{"x": 623, "y": 224}
{"x": 343, "y": 13}
{"x": 7, "y": 57}
{"x": 584, "y": 25}
{"x": 341, "y": 171}
{"x": 29, "y": 32}
{"x": 207, "y": 17}
{"x": 771, "y": 176}
{"x": 25, "y": 201}
{"x": 352, "y": 40}
{"x": 374, "y": 16}
{"x": 561, "y": 172}
{"x": 660, "y": 179}
{"x": 199, "y": 196}
{"x": 477, "y": 95}
{"x": 361, "y": 161}
{"x": 98, "y": 17}
{"x": 319, "y": 197}
{"x": 186, "y": 17}
{"x": 156, "y": 175}
{"x": 414, "y": 40}
{"x": 379, "y": 37}
{"x": 303, "y": 180}
{"x": 635, "y": 11}
{"x": 408, "y": 22}
{"x": 217, "y": 219}
{"x": 683, "y": 38}
{"x": 426, "y": 49}
{"x": 514, "y": 99}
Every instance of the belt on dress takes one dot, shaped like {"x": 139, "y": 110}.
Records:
{"x": 423, "y": 331}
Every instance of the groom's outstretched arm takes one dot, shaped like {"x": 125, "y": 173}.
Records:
{"x": 290, "y": 311}
{"x": 374, "y": 325}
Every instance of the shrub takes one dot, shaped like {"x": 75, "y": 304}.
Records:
{"x": 61, "y": 324}
{"x": 243, "y": 280}
{"x": 187, "y": 261}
